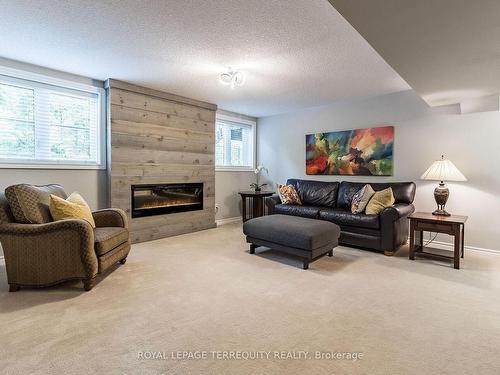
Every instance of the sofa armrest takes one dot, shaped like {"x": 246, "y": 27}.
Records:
{"x": 396, "y": 212}
{"x": 394, "y": 226}
{"x": 42, "y": 254}
{"x": 272, "y": 201}
{"x": 110, "y": 217}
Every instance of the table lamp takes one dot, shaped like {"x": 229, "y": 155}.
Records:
{"x": 442, "y": 170}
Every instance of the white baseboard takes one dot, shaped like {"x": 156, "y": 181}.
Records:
{"x": 449, "y": 246}
{"x": 229, "y": 220}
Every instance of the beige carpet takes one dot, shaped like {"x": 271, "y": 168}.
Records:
{"x": 205, "y": 292}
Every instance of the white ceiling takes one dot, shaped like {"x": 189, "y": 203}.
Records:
{"x": 447, "y": 50}
{"x": 295, "y": 53}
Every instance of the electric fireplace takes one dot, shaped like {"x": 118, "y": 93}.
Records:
{"x": 159, "y": 199}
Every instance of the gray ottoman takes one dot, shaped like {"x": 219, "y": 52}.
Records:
{"x": 307, "y": 238}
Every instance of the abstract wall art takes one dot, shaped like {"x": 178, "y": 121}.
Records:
{"x": 359, "y": 152}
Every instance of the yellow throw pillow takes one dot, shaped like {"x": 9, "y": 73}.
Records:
{"x": 74, "y": 207}
{"x": 380, "y": 200}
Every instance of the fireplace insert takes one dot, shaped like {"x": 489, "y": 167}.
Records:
{"x": 159, "y": 199}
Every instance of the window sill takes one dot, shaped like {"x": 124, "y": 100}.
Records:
{"x": 51, "y": 166}
{"x": 234, "y": 169}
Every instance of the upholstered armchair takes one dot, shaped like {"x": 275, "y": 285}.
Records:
{"x": 41, "y": 252}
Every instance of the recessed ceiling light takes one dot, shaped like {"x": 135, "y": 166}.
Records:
{"x": 232, "y": 78}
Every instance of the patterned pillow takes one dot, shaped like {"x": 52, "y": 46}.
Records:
{"x": 288, "y": 194}
{"x": 361, "y": 199}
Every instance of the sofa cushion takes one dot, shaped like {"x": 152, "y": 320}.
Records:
{"x": 107, "y": 238}
{"x": 318, "y": 193}
{"x": 297, "y": 232}
{"x": 30, "y": 203}
{"x": 346, "y": 217}
{"x": 404, "y": 192}
{"x": 310, "y": 212}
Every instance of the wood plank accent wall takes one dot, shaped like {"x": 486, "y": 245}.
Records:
{"x": 157, "y": 137}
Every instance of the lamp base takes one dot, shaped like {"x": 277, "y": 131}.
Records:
{"x": 441, "y": 194}
{"x": 441, "y": 212}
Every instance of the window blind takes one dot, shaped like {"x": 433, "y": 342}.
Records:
{"x": 48, "y": 124}
{"x": 234, "y": 144}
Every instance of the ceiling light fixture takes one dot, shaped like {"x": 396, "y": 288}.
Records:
{"x": 232, "y": 78}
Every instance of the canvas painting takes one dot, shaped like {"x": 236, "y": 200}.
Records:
{"x": 359, "y": 152}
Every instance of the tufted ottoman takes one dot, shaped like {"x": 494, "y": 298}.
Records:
{"x": 306, "y": 238}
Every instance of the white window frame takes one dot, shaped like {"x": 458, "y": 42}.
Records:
{"x": 13, "y": 74}
{"x": 253, "y": 124}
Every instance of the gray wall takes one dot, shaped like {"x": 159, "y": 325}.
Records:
{"x": 421, "y": 136}
{"x": 228, "y": 183}
{"x": 90, "y": 183}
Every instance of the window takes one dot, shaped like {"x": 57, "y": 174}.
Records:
{"x": 49, "y": 125}
{"x": 234, "y": 144}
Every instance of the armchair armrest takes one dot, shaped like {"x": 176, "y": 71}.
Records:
{"x": 110, "y": 217}
{"x": 17, "y": 229}
{"x": 43, "y": 254}
{"x": 272, "y": 201}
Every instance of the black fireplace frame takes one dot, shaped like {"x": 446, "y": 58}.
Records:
{"x": 136, "y": 213}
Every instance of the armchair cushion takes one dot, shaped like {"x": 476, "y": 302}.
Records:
{"x": 30, "y": 203}
{"x": 6, "y": 215}
{"x": 108, "y": 238}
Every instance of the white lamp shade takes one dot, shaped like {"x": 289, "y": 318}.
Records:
{"x": 443, "y": 170}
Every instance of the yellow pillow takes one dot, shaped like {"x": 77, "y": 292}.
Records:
{"x": 380, "y": 200}
{"x": 74, "y": 207}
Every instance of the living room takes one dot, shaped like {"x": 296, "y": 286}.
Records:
{"x": 249, "y": 187}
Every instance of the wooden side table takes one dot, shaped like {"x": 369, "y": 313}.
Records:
{"x": 252, "y": 203}
{"x": 453, "y": 225}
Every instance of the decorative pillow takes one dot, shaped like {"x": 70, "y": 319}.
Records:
{"x": 380, "y": 200}
{"x": 288, "y": 194}
{"x": 30, "y": 203}
{"x": 361, "y": 199}
{"x": 74, "y": 207}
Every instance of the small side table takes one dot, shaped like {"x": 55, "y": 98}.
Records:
{"x": 252, "y": 203}
{"x": 453, "y": 225}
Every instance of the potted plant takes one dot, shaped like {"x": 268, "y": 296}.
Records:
{"x": 258, "y": 171}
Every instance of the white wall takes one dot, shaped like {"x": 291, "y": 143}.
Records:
{"x": 471, "y": 141}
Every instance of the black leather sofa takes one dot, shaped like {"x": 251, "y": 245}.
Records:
{"x": 331, "y": 201}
